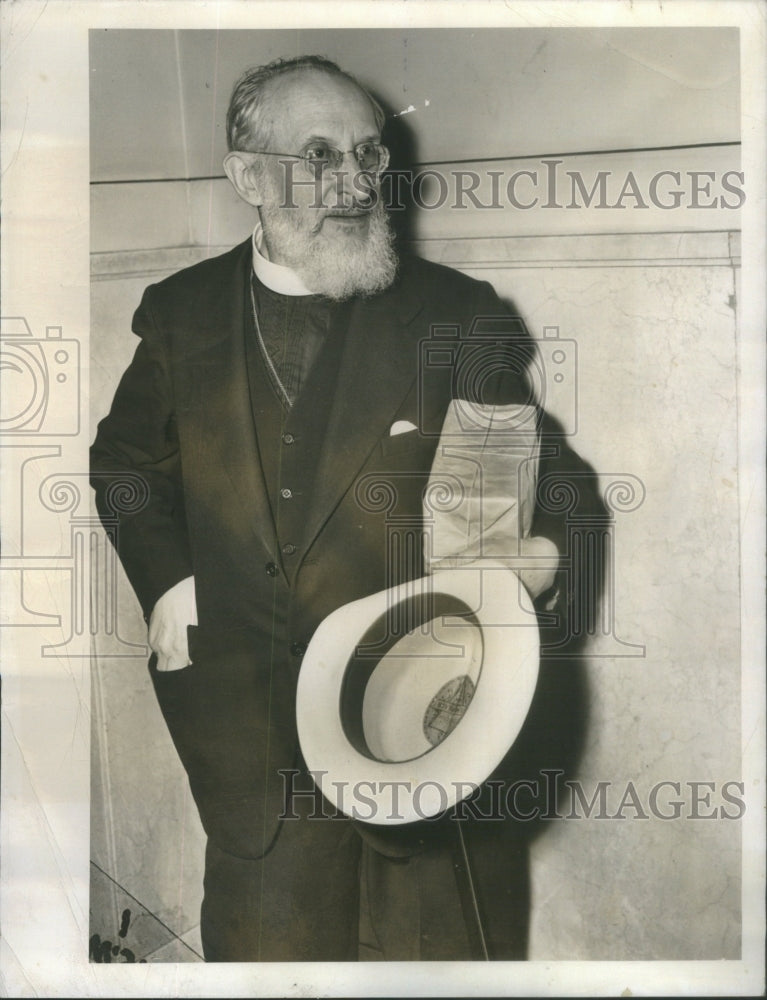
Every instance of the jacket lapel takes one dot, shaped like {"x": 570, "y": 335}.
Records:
{"x": 378, "y": 368}
{"x": 232, "y": 466}
{"x": 379, "y": 364}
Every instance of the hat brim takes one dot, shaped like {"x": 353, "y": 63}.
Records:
{"x": 335, "y": 672}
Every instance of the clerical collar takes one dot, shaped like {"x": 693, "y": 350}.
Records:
{"x": 278, "y": 277}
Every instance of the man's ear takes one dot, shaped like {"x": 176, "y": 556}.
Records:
{"x": 243, "y": 175}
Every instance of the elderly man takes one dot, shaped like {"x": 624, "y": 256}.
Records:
{"x": 265, "y": 386}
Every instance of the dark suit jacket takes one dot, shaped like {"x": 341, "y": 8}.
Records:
{"x": 182, "y": 420}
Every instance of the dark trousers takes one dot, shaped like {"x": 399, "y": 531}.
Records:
{"x": 322, "y": 893}
{"x": 299, "y": 903}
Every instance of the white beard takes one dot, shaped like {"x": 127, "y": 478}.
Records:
{"x": 336, "y": 264}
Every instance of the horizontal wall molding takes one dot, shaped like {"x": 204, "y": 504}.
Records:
{"x": 113, "y": 265}
{"x": 709, "y": 249}
{"x": 589, "y": 250}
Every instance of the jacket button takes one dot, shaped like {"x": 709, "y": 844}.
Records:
{"x": 288, "y": 439}
{"x": 271, "y": 569}
{"x": 298, "y": 648}
{"x": 286, "y": 494}
{"x": 289, "y": 549}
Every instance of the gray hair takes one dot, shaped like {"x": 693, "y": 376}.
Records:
{"x": 245, "y": 117}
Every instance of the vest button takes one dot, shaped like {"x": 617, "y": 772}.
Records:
{"x": 298, "y": 648}
{"x": 271, "y": 569}
{"x": 288, "y": 439}
{"x": 289, "y": 549}
{"x": 286, "y": 494}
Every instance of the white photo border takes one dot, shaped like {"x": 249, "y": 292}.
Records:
{"x": 46, "y": 278}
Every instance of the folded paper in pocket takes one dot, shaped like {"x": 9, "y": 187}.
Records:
{"x": 492, "y": 453}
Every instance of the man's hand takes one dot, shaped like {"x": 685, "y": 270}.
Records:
{"x": 538, "y": 578}
{"x": 170, "y": 616}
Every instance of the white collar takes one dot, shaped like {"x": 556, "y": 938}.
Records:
{"x": 278, "y": 277}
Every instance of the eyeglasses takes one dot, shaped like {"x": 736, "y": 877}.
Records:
{"x": 370, "y": 156}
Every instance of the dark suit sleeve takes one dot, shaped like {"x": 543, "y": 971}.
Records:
{"x": 136, "y": 470}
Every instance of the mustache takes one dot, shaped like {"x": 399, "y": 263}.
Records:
{"x": 355, "y": 210}
{"x": 351, "y": 211}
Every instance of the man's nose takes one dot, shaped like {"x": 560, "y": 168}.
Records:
{"x": 350, "y": 184}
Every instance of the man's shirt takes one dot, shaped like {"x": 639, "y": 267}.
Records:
{"x": 291, "y": 323}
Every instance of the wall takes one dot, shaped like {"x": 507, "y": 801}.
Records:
{"x": 159, "y": 104}
{"x": 159, "y": 98}
{"x": 655, "y": 329}
{"x": 648, "y": 296}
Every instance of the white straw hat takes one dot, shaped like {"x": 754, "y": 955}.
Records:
{"x": 409, "y": 699}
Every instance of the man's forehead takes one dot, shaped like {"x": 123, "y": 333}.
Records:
{"x": 313, "y": 103}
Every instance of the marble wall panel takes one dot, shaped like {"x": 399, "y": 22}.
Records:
{"x": 154, "y": 828}
{"x": 145, "y": 832}
{"x": 657, "y": 401}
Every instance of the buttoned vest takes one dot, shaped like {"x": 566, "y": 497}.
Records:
{"x": 290, "y": 438}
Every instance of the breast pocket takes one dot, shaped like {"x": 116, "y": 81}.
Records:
{"x": 402, "y": 444}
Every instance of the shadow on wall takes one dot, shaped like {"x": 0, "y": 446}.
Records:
{"x": 513, "y": 804}
{"x": 402, "y": 143}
